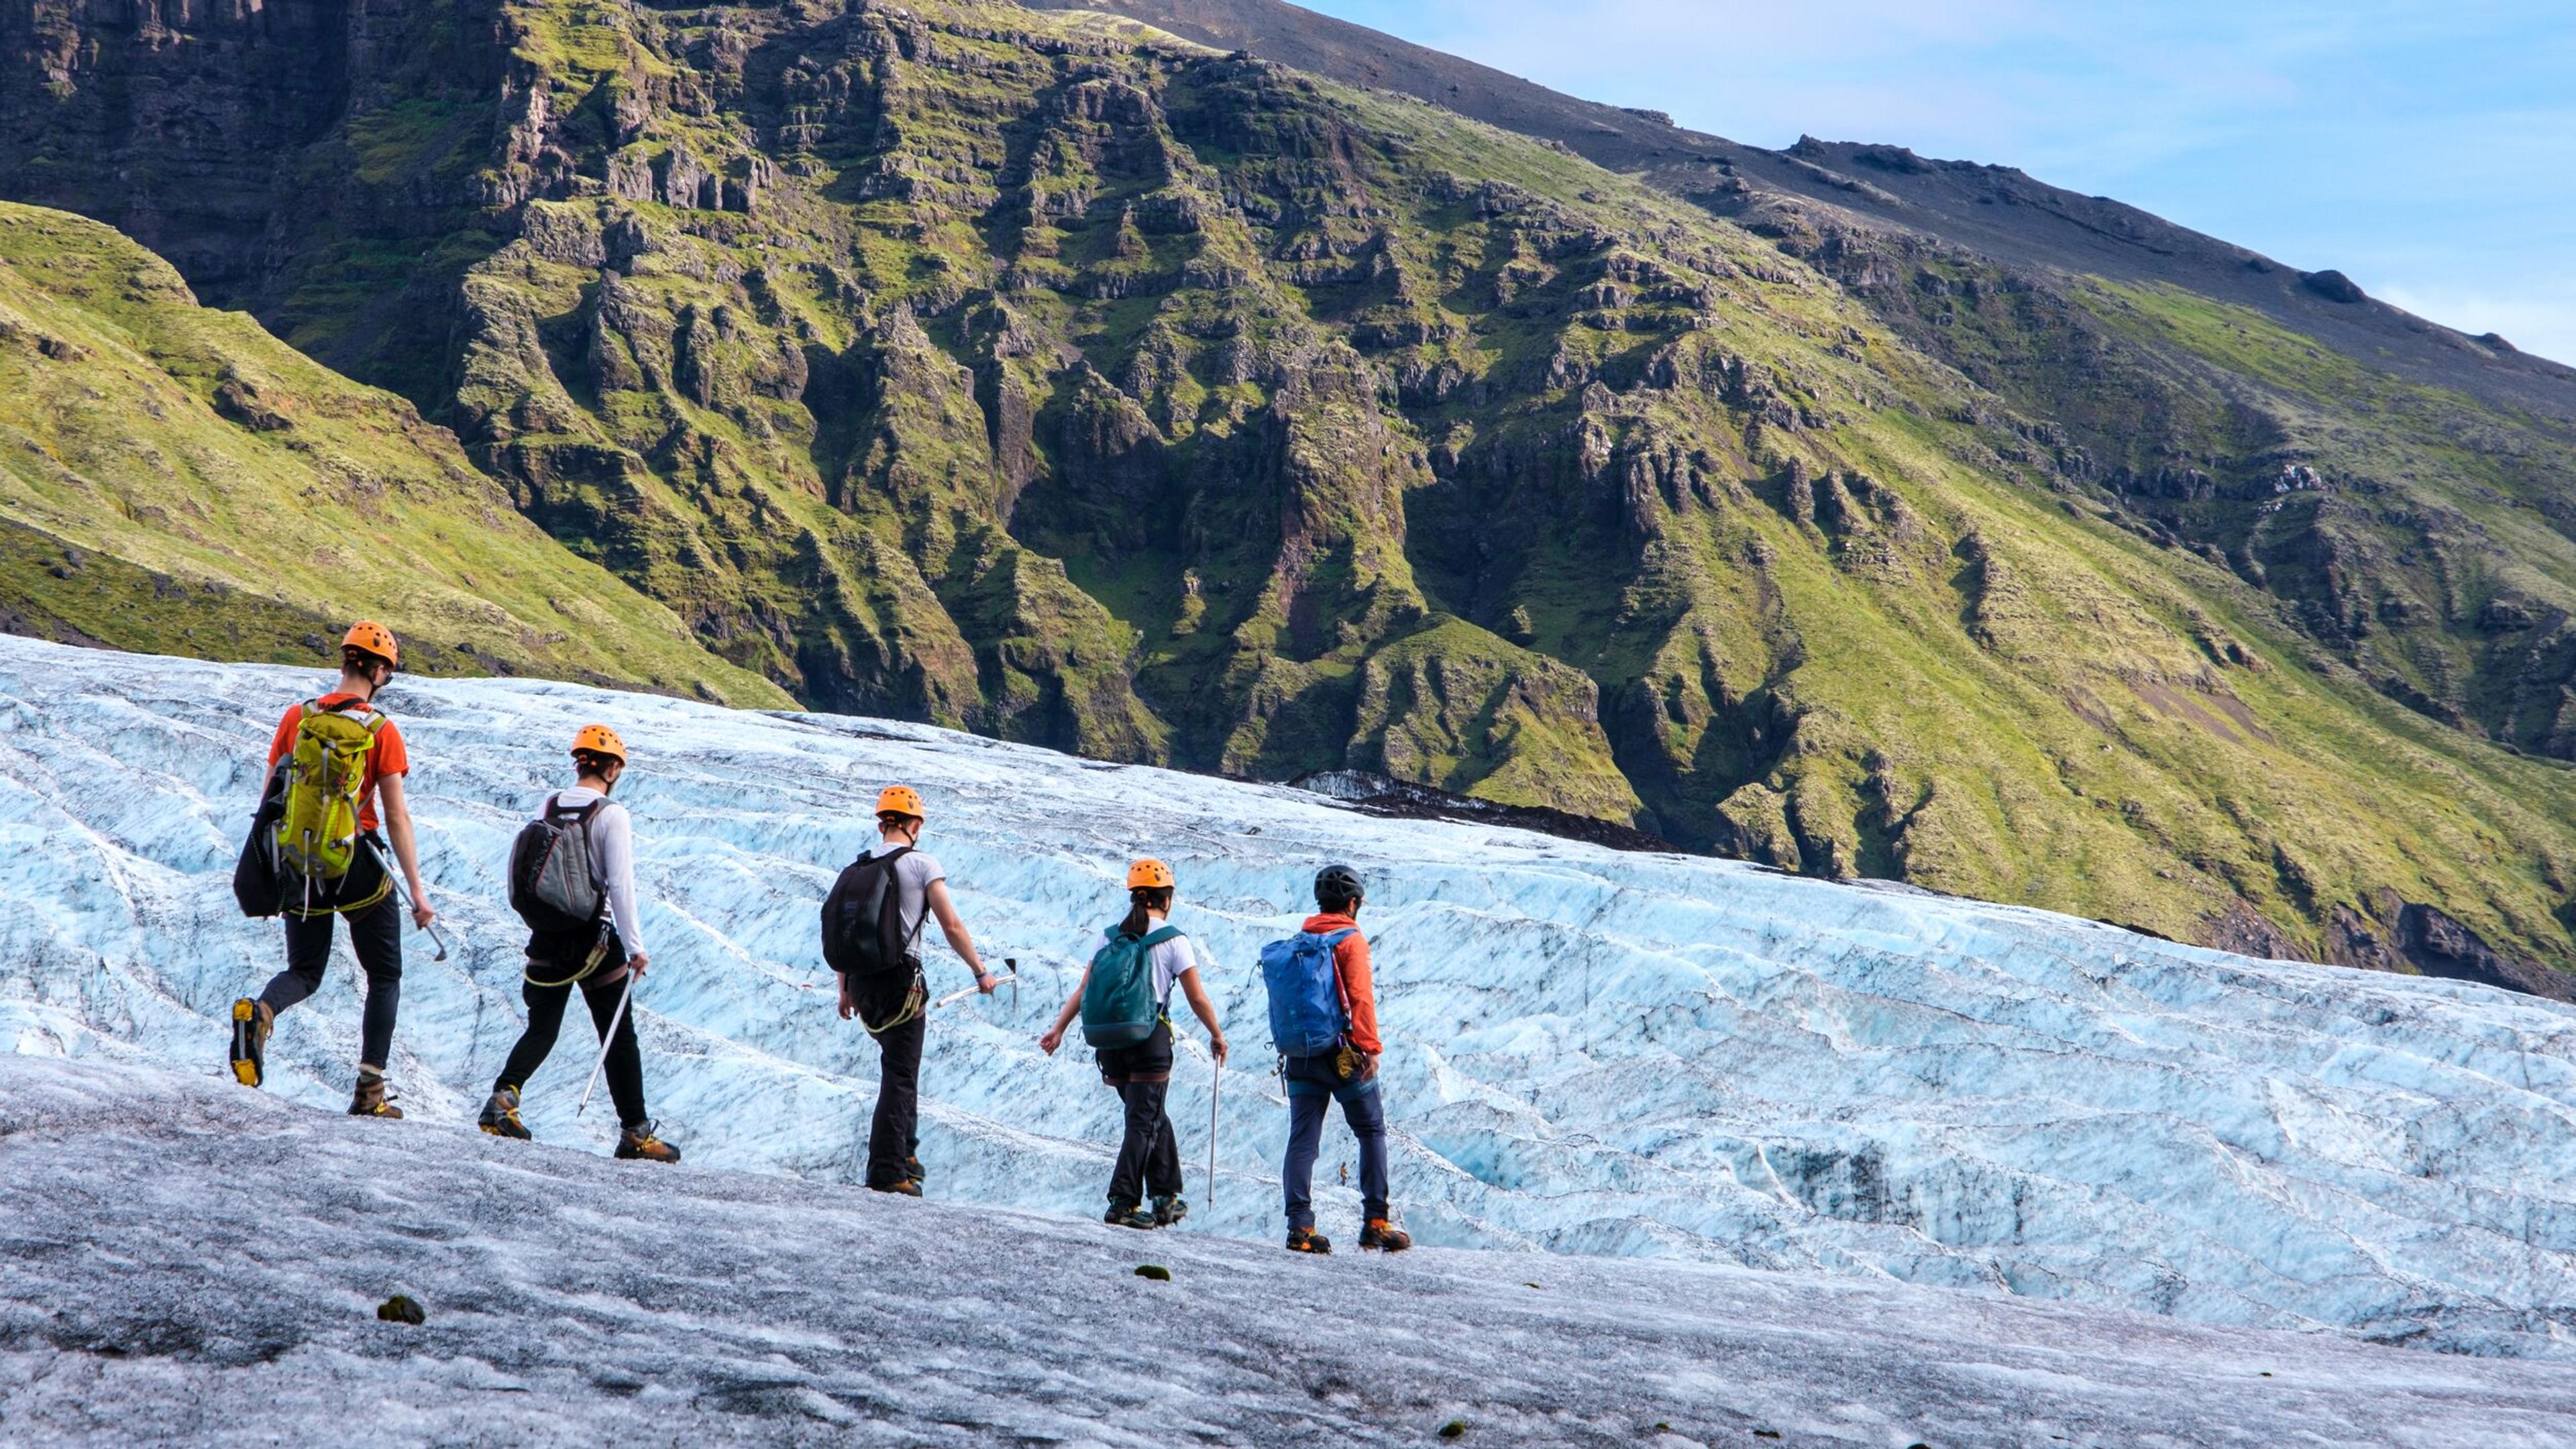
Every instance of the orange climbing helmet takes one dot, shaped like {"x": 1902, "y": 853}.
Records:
{"x": 375, "y": 639}
{"x": 599, "y": 739}
{"x": 899, "y": 800}
{"x": 1149, "y": 875}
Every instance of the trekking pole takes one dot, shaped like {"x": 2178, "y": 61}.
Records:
{"x": 404, "y": 896}
{"x": 607, "y": 1039}
{"x": 1216, "y": 1084}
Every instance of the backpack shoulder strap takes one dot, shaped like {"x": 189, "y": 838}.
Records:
{"x": 366, "y": 717}
{"x": 1145, "y": 945}
{"x": 887, "y": 860}
{"x": 1333, "y": 953}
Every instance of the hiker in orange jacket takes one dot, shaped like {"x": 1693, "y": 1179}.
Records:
{"x": 1347, "y": 1075}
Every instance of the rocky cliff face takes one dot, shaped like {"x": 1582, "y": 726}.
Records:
{"x": 2423, "y": 535}
{"x": 2400, "y": 486}
{"x": 1052, "y": 378}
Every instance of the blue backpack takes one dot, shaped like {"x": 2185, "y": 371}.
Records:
{"x": 1119, "y": 1008}
{"x": 1306, "y": 1018}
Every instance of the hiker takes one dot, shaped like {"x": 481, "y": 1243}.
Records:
{"x": 593, "y": 939}
{"x": 1323, "y": 1019}
{"x": 872, "y": 921}
{"x": 1125, "y": 1001}
{"x": 331, "y": 762}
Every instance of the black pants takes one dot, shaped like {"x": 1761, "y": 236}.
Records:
{"x": 375, "y": 934}
{"x": 1149, "y": 1155}
{"x": 625, "y": 1068}
{"x": 894, "y": 1133}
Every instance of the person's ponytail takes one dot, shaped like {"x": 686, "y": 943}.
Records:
{"x": 1140, "y": 902}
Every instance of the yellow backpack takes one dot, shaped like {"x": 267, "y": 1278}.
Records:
{"x": 317, "y": 834}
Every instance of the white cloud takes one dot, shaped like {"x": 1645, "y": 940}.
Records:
{"x": 2534, "y": 322}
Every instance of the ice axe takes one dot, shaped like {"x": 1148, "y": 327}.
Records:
{"x": 405, "y": 896}
{"x": 607, "y": 1039}
{"x": 1010, "y": 978}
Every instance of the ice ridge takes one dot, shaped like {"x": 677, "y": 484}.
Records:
{"x": 1590, "y": 1052}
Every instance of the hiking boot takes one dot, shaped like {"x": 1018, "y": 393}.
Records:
{"x": 638, "y": 1144}
{"x": 252, "y": 1022}
{"x": 1383, "y": 1236}
{"x": 909, "y": 1187}
{"x": 371, "y": 1099}
{"x": 1129, "y": 1215}
{"x": 1307, "y": 1240}
{"x": 1169, "y": 1210}
{"x": 913, "y": 1170}
{"x": 501, "y": 1115}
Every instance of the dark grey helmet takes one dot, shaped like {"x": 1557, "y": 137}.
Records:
{"x": 1338, "y": 883}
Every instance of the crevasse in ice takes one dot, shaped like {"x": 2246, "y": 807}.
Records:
{"x": 1589, "y": 1052}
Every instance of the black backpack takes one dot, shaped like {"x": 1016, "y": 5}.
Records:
{"x": 551, "y": 884}
{"x": 864, "y": 935}
{"x": 259, "y": 884}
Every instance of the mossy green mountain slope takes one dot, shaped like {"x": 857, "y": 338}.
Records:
{"x": 2422, "y": 534}
{"x": 2400, "y": 484}
{"x": 1050, "y": 377}
{"x": 174, "y": 480}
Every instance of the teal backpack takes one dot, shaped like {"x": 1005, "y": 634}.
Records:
{"x": 1119, "y": 1008}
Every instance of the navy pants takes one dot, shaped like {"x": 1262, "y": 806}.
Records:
{"x": 1312, "y": 1086}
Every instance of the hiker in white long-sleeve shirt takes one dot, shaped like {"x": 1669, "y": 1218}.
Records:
{"x": 598, "y": 956}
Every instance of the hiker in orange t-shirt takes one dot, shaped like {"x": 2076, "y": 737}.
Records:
{"x": 363, "y": 896}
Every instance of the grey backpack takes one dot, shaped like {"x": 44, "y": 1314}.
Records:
{"x": 551, "y": 883}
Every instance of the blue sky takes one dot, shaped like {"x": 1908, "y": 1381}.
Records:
{"x": 2428, "y": 150}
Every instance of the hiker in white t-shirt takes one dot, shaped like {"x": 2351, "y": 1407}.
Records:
{"x": 1124, "y": 999}
{"x": 599, "y": 956}
{"x": 881, "y": 980}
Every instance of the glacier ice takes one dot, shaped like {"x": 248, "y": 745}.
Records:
{"x": 1590, "y": 1052}
{"x": 185, "y": 1262}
